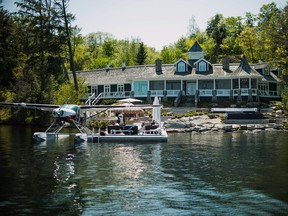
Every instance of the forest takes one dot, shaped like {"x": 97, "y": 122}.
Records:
{"x": 39, "y": 47}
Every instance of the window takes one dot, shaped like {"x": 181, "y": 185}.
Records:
{"x": 107, "y": 88}
{"x": 181, "y": 67}
{"x": 202, "y": 66}
{"x": 266, "y": 71}
{"x": 140, "y": 88}
{"x": 157, "y": 85}
{"x": 173, "y": 85}
{"x": 120, "y": 88}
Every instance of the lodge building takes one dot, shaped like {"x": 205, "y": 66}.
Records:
{"x": 195, "y": 79}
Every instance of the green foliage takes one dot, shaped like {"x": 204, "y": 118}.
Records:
{"x": 99, "y": 124}
{"x": 141, "y": 55}
{"x": 190, "y": 114}
{"x": 67, "y": 93}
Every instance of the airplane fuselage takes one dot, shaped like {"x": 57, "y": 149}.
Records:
{"x": 66, "y": 113}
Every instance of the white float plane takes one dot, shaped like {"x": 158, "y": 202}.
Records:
{"x": 67, "y": 113}
{"x": 76, "y": 115}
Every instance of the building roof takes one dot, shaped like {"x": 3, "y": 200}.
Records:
{"x": 195, "y": 48}
{"x": 148, "y": 72}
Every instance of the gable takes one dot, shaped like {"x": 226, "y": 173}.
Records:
{"x": 202, "y": 65}
{"x": 182, "y": 66}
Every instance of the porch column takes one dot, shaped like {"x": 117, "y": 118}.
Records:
{"x": 214, "y": 95}
{"x": 148, "y": 95}
{"x": 239, "y": 98}
{"x": 165, "y": 95}
{"x": 250, "y": 98}
{"x": 197, "y": 98}
{"x": 231, "y": 96}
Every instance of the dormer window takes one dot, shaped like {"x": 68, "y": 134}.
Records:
{"x": 181, "y": 67}
{"x": 202, "y": 66}
{"x": 266, "y": 71}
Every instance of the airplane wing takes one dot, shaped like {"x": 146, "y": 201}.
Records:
{"x": 144, "y": 106}
{"x": 47, "y": 107}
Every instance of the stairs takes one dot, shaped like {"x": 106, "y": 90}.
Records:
{"x": 187, "y": 101}
{"x": 93, "y": 99}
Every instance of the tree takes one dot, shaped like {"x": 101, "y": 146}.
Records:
{"x": 66, "y": 21}
{"x": 8, "y": 49}
{"x": 247, "y": 40}
{"x": 193, "y": 28}
{"x": 41, "y": 61}
{"x": 141, "y": 55}
{"x": 216, "y": 29}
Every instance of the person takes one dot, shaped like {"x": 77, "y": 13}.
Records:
{"x": 121, "y": 120}
{"x": 154, "y": 123}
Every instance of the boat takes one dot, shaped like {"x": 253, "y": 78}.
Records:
{"x": 128, "y": 133}
{"x": 152, "y": 132}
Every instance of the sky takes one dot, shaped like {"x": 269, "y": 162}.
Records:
{"x": 157, "y": 23}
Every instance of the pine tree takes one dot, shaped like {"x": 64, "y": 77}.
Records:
{"x": 141, "y": 55}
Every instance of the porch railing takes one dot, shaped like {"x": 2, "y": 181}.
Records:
{"x": 116, "y": 94}
{"x": 263, "y": 93}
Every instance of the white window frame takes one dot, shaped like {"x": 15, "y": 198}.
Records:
{"x": 120, "y": 88}
{"x": 202, "y": 66}
{"x": 181, "y": 67}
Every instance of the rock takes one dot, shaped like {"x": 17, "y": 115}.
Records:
{"x": 206, "y": 124}
{"x": 243, "y": 127}
{"x": 227, "y": 128}
{"x": 279, "y": 112}
{"x": 175, "y": 123}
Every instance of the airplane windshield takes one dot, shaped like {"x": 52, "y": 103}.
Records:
{"x": 71, "y": 106}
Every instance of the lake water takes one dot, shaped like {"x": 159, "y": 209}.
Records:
{"x": 202, "y": 174}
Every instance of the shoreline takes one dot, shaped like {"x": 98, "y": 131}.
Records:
{"x": 211, "y": 124}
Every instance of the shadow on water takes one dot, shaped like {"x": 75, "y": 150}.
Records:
{"x": 192, "y": 174}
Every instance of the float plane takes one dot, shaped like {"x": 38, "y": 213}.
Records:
{"x": 62, "y": 114}
{"x": 72, "y": 114}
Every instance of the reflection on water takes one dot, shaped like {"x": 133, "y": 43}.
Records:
{"x": 213, "y": 174}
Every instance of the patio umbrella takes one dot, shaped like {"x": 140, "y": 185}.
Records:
{"x": 129, "y": 100}
{"x": 156, "y": 112}
{"x": 127, "y": 109}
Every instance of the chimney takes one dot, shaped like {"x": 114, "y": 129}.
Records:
{"x": 158, "y": 64}
{"x": 123, "y": 66}
{"x": 107, "y": 67}
{"x": 226, "y": 64}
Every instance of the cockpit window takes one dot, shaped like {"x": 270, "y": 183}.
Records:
{"x": 71, "y": 106}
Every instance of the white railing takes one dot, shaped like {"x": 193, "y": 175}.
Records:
{"x": 205, "y": 92}
{"x": 263, "y": 93}
{"x": 90, "y": 98}
{"x": 97, "y": 98}
{"x": 157, "y": 93}
{"x": 223, "y": 92}
{"x": 115, "y": 94}
{"x": 173, "y": 93}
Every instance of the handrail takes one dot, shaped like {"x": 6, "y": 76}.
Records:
{"x": 97, "y": 99}
{"x": 178, "y": 99}
{"x": 88, "y": 101}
